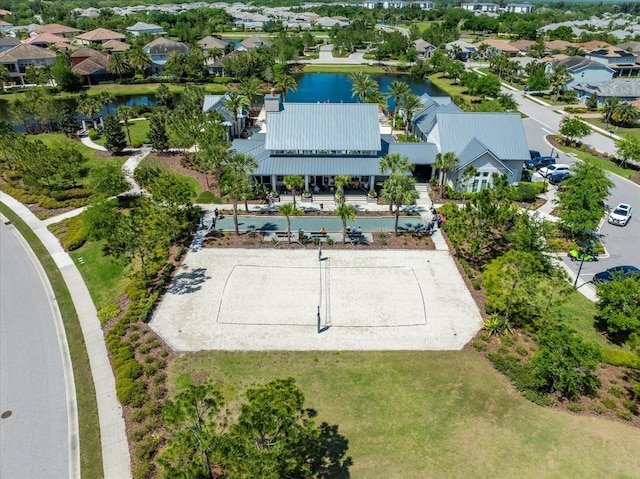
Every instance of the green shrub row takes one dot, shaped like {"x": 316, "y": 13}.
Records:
{"x": 521, "y": 376}
{"x": 75, "y": 235}
{"x": 617, "y": 357}
{"x": 43, "y": 201}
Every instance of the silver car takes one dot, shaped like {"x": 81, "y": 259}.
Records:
{"x": 620, "y": 215}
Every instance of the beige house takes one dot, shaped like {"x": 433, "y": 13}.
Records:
{"x": 56, "y": 29}
{"x": 99, "y": 36}
{"x": 21, "y": 56}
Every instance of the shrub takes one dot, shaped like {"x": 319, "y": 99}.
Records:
{"x": 597, "y": 408}
{"x": 110, "y": 311}
{"x": 617, "y": 357}
{"x": 574, "y": 407}
{"x": 129, "y": 370}
{"x": 497, "y": 325}
{"x": 525, "y": 192}
{"x": 131, "y": 392}
{"x": 617, "y": 391}
{"x": 521, "y": 350}
{"x": 480, "y": 345}
{"x": 631, "y": 406}
{"x": 609, "y": 402}
{"x": 626, "y": 415}
{"x": 94, "y": 134}
{"x": 206, "y": 197}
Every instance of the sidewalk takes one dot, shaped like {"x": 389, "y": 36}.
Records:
{"x": 115, "y": 448}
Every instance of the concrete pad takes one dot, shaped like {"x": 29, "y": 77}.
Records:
{"x": 240, "y": 299}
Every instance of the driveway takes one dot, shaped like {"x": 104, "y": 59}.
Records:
{"x": 266, "y": 299}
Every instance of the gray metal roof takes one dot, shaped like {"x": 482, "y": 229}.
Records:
{"x": 318, "y": 165}
{"x": 424, "y": 120}
{"x": 502, "y": 133}
{"x": 216, "y": 103}
{"x": 620, "y": 87}
{"x": 576, "y": 62}
{"x": 324, "y": 126}
{"x": 417, "y": 153}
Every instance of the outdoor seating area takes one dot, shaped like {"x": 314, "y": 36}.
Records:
{"x": 301, "y": 237}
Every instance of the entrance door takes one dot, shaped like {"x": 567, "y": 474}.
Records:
{"x": 422, "y": 173}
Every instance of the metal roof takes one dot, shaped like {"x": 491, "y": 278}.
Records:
{"x": 502, "y": 133}
{"x": 324, "y": 126}
{"x": 318, "y": 165}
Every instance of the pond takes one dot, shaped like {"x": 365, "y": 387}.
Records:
{"x": 312, "y": 88}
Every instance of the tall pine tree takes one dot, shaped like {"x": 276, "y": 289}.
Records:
{"x": 157, "y": 134}
{"x": 116, "y": 139}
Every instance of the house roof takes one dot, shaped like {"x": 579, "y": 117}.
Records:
{"x": 522, "y": 45}
{"x": 505, "y": 138}
{"x": 424, "y": 120}
{"x": 324, "y": 126}
{"x": 417, "y": 153}
{"x": 65, "y": 47}
{"x": 9, "y": 42}
{"x": 90, "y": 53}
{"x": 209, "y": 42}
{"x": 116, "y": 46}
{"x": 620, "y": 87}
{"x": 464, "y": 46}
{"x": 558, "y": 45}
{"x": 612, "y": 52}
{"x": 56, "y": 29}
{"x": 576, "y": 62}
{"x": 629, "y": 46}
{"x": 422, "y": 45}
{"x": 100, "y": 35}
{"x": 500, "y": 45}
{"x": 25, "y": 52}
{"x": 255, "y": 41}
{"x": 216, "y": 103}
{"x": 163, "y": 45}
{"x": 88, "y": 67}
{"x": 144, "y": 27}
{"x": 48, "y": 38}
{"x": 594, "y": 45}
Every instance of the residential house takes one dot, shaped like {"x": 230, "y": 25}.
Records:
{"x": 583, "y": 70}
{"x": 593, "y": 45}
{"x": 497, "y": 47}
{"x": 557, "y": 46}
{"x": 55, "y": 29}
{"x": 18, "y": 58}
{"x": 213, "y": 43}
{"x": 480, "y": 7}
{"x": 633, "y": 47}
{"x": 461, "y": 50}
{"x": 91, "y": 65}
{"x": 326, "y": 22}
{"x": 425, "y": 5}
{"x": 321, "y": 140}
{"x": 519, "y": 8}
{"x": 5, "y": 26}
{"x": 45, "y": 40}
{"x": 115, "y": 46}
{"x": 523, "y": 46}
{"x": 424, "y": 48}
{"x": 99, "y": 36}
{"x": 216, "y": 65}
{"x": 142, "y": 28}
{"x": 622, "y": 62}
{"x": 625, "y": 89}
{"x": 235, "y": 126}
{"x": 4, "y": 12}
{"x": 159, "y": 50}
{"x": 252, "y": 43}
{"x": 7, "y": 43}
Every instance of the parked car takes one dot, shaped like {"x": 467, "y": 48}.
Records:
{"x": 539, "y": 162}
{"x": 534, "y": 154}
{"x": 556, "y": 178}
{"x": 553, "y": 169}
{"x": 617, "y": 271}
{"x": 621, "y": 215}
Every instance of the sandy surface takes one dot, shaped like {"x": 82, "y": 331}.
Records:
{"x": 242, "y": 299}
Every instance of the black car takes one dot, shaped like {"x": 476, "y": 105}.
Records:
{"x": 621, "y": 271}
{"x": 534, "y": 154}
{"x": 540, "y": 162}
{"x": 556, "y": 178}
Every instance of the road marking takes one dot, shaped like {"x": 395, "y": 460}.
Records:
{"x": 544, "y": 129}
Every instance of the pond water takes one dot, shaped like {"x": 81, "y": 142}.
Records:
{"x": 312, "y": 88}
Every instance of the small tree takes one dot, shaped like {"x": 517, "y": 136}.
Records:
{"x": 445, "y": 163}
{"x": 157, "y": 134}
{"x": 116, "y": 140}
{"x": 566, "y": 363}
{"x": 108, "y": 180}
{"x": 573, "y": 129}
{"x": 292, "y": 182}
{"x": 592, "y": 102}
{"x": 124, "y": 113}
{"x": 619, "y": 307}
{"x": 399, "y": 190}
{"x": 288, "y": 210}
{"x": 628, "y": 148}
{"x": 341, "y": 181}
{"x": 67, "y": 122}
{"x": 346, "y": 213}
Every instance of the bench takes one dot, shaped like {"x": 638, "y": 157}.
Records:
{"x": 318, "y": 234}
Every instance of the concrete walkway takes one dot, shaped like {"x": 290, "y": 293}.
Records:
{"x": 115, "y": 448}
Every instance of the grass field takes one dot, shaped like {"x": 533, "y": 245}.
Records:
{"x": 430, "y": 414}
{"x": 138, "y": 130}
{"x": 616, "y": 130}
{"x": 89, "y": 428}
{"x": 57, "y": 139}
{"x": 369, "y": 69}
{"x": 604, "y": 164}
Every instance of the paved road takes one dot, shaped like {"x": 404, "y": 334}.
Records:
{"x": 34, "y": 439}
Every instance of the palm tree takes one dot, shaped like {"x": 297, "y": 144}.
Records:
{"x": 232, "y": 187}
{"x": 90, "y": 106}
{"x": 397, "y": 89}
{"x": 395, "y": 164}
{"x": 285, "y": 82}
{"x": 138, "y": 59}
{"x": 625, "y": 114}
{"x": 445, "y": 163}
{"x": 410, "y": 104}
{"x": 118, "y": 65}
{"x": 235, "y": 102}
{"x": 346, "y": 213}
{"x": 399, "y": 190}
{"x": 244, "y": 165}
{"x": 292, "y": 182}
{"x": 124, "y": 114}
{"x": 609, "y": 106}
{"x": 363, "y": 86}
{"x": 341, "y": 181}
{"x": 468, "y": 174}
{"x": 250, "y": 87}
{"x": 559, "y": 77}
{"x": 288, "y": 210}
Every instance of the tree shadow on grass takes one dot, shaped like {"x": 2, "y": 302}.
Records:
{"x": 331, "y": 462}
{"x": 188, "y": 281}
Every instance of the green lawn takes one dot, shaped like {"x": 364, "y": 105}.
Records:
{"x": 89, "y": 427}
{"x": 138, "y": 130}
{"x": 604, "y": 164}
{"x": 150, "y": 162}
{"x": 430, "y": 414}
{"x": 447, "y": 85}
{"x": 104, "y": 276}
{"x": 616, "y": 130}
{"x": 57, "y": 139}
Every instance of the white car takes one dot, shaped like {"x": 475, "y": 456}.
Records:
{"x": 551, "y": 169}
{"x": 620, "y": 215}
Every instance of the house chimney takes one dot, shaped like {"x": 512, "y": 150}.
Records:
{"x": 273, "y": 92}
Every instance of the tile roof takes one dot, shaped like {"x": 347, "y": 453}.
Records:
{"x": 209, "y": 42}
{"x": 163, "y": 45}
{"x": 88, "y": 67}
{"x": 594, "y": 45}
{"x": 25, "y": 52}
{"x": 56, "y": 29}
{"x": 500, "y": 45}
{"x": 49, "y": 38}
{"x": 251, "y": 42}
{"x": 522, "y": 44}
{"x": 629, "y": 46}
{"x": 577, "y": 62}
{"x": 116, "y": 46}
{"x": 324, "y": 126}
{"x": 558, "y": 45}
{"x": 100, "y": 34}
{"x": 620, "y": 87}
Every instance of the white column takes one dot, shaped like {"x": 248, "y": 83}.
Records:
{"x": 306, "y": 183}
{"x": 372, "y": 182}
{"x": 273, "y": 182}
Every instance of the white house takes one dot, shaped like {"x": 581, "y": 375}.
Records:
{"x": 142, "y": 28}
